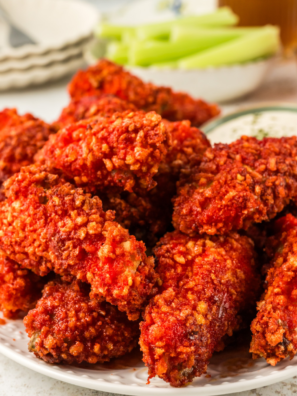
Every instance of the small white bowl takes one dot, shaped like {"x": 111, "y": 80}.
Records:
{"x": 215, "y": 84}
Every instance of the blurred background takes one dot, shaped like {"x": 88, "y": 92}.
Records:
{"x": 228, "y": 51}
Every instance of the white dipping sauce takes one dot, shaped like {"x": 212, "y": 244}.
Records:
{"x": 259, "y": 124}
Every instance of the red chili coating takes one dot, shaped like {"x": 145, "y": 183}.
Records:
{"x": 108, "y": 78}
{"x": 207, "y": 281}
{"x": 66, "y": 326}
{"x": 147, "y": 214}
{"x": 245, "y": 182}
{"x": 121, "y": 151}
{"x": 20, "y": 139}
{"x": 275, "y": 327}
{"x": 90, "y": 106}
{"x": 47, "y": 224}
{"x": 19, "y": 288}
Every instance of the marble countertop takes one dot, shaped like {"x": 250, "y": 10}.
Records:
{"x": 46, "y": 102}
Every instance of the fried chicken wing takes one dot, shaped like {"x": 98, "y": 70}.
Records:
{"x": 147, "y": 214}
{"x": 21, "y": 137}
{"x": 245, "y": 182}
{"x": 67, "y": 326}
{"x": 19, "y": 288}
{"x": 108, "y": 78}
{"x": 274, "y": 328}
{"x": 206, "y": 282}
{"x": 90, "y": 106}
{"x": 47, "y": 225}
{"x": 121, "y": 151}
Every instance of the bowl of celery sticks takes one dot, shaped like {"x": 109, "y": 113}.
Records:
{"x": 205, "y": 55}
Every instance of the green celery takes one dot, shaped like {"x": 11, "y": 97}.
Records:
{"x": 263, "y": 42}
{"x": 184, "y": 33}
{"x": 106, "y": 30}
{"x": 221, "y": 17}
{"x": 117, "y": 52}
{"x": 145, "y": 53}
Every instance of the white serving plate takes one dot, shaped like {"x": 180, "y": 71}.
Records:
{"x": 231, "y": 371}
{"x": 39, "y": 75}
{"x": 266, "y": 119}
{"x": 54, "y": 24}
{"x": 12, "y": 64}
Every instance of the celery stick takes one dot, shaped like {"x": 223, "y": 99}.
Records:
{"x": 221, "y": 17}
{"x": 184, "y": 33}
{"x": 144, "y": 53}
{"x": 107, "y": 30}
{"x": 117, "y": 52}
{"x": 263, "y": 42}
{"x": 165, "y": 65}
{"x": 128, "y": 36}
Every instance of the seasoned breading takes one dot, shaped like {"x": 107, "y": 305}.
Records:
{"x": 19, "y": 288}
{"x": 124, "y": 150}
{"x": 90, "y": 106}
{"x": 67, "y": 326}
{"x": 236, "y": 185}
{"x": 21, "y": 137}
{"x": 108, "y": 78}
{"x": 206, "y": 282}
{"x": 47, "y": 224}
{"x": 274, "y": 328}
{"x": 147, "y": 214}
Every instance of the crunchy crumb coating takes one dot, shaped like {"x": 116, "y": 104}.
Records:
{"x": 90, "y": 106}
{"x": 148, "y": 214}
{"x": 206, "y": 282}
{"x": 143, "y": 213}
{"x": 188, "y": 144}
{"x": 122, "y": 151}
{"x": 20, "y": 139}
{"x": 108, "y": 78}
{"x": 245, "y": 182}
{"x": 68, "y": 327}
{"x": 47, "y": 225}
{"x": 275, "y": 326}
{"x": 19, "y": 288}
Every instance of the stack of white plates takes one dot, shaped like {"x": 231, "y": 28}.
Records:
{"x": 61, "y": 29}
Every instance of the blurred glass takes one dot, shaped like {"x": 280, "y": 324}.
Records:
{"x": 282, "y": 13}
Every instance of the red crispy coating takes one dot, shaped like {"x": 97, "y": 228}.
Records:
{"x": 245, "y": 182}
{"x": 90, "y": 106}
{"x": 19, "y": 288}
{"x": 20, "y": 139}
{"x": 108, "y": 78}
{"x": 47, "y": 224}
{"x": 67, "y": 326}
{"x": 275, "y": 327}
{"x": 188, "y": 144}
{"x": 148, "y": 214}
{"x": 121, "y": 151}
{"x": 207, "y": 281}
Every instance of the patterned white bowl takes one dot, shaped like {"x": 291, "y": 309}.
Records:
{"x": 214, "y": 84}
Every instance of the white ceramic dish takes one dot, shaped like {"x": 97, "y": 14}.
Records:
{"x": 39, "y": 75}
{"x": 54, "y": 24}
{"x": 266, "y": 119}
{"x": 215, "y": 84}
{"x": 231, "y": 371}
{"x": 12, "y": 64}
{"x": 218, "y": 84}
